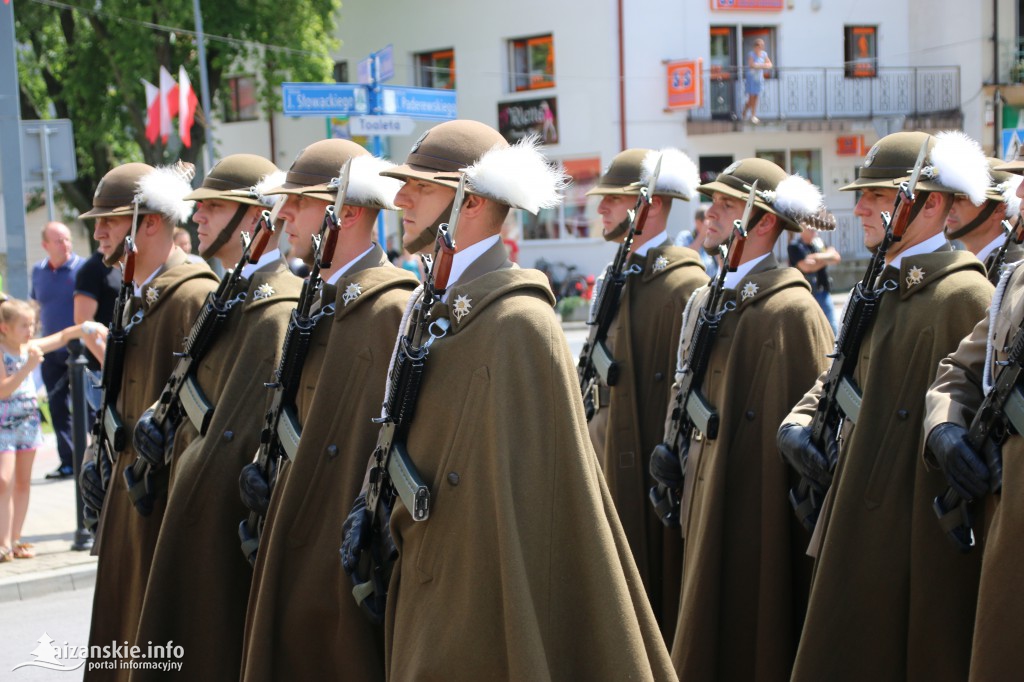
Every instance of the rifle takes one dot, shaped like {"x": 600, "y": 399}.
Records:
{"x": 108, "y": 428}
{"x": 393, "y": 473}
{"x": 1014, "y": 235}
{"x": 182, "y": 395}
{"x": 840, "y": 397}
{"x": 596, "y": 365}
{"x": 690, "y": 409}
{"x": 1001, "y": 413}
{"x": 281, "y": 429}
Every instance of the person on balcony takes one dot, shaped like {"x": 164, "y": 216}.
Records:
{"x": 757, "y": 62}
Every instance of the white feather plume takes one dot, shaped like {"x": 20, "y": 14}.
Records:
{"x": 366, "y": 185}
{"x": 269, "y": 182}
{"x": 1010, "y": 198}
{"x": 961, "y": 165}
{"x": 678, "y": 172}
{"x": 519, "y": 176}
{"x": 796, "y": 197}
{"x": 164, "y": 190}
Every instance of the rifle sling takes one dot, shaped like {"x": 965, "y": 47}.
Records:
{"x": 848, "y": 399}
{"x": 195, "y": 404}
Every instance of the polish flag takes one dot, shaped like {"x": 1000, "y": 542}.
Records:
{"x": 152, "y": 111}
{"x": 187, "y": 103}
{"x": 168, "y": 103}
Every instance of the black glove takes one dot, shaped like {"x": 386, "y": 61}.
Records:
{"x": 666, "y": 467}
{"x": 93, "y": 485}
{"x": 964, "y": 469}
{"x": 255, "y": 489}
{"x": 794, "y": 441}
{"x": 355, "y": 538}
{"x": 150, "y": 441}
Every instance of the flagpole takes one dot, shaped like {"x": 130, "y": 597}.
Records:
{"x": 204, "y": 88}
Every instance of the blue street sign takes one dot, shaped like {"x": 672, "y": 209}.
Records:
{"x": 386, "y": 63}
{"x": 324, "y": 99}
{"x": 430, "y": 103}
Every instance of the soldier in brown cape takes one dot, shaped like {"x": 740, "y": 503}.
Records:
{"x": 169, "y": 293}
{"x": 979, "y": 228}
{"x": 630, "y": 417}
{"x": 953, "y": 399}
{"x": 745, "y": 575}
{"x": 302, "y": 622}
{"x": 203, "y": 509}
{"x": 891, "y": 599}
{"x": 522, "y": 541}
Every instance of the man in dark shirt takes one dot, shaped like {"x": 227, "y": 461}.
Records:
{"x": 809, "y": 255}
{"x": 96, "y": 287}
{"x": 53, "y": 283}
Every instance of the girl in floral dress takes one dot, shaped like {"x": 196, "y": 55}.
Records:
{"x": 20, "y": 432}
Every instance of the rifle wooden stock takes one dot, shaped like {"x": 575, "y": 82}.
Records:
{"x": 442, "y": 268}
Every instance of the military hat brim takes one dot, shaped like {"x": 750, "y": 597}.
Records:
{"x": 1016, "y": 167}
{"x": 408, "y": 172}
{"x": 923, "y": 185}
{"x": 237, "y": 196}
{"x": 115, "y": 211}
{"x": 325, "y": 192}
{"x": 740, "y": 191}
{"x": 631, "y": 191}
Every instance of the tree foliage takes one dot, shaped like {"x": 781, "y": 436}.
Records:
{"x": 84, "y": 61}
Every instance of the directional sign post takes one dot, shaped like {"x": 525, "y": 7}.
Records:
{"x": 373, "y": 109}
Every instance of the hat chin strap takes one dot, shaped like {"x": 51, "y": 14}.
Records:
{"x": 616, "y": 232}
{"x": 114, "y": 258}
{"x": 983, "y": 215}
{"x": 224, "y": 235}
{"x": 429, "y": 234}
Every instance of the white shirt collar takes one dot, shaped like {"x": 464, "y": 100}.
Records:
{"x": 463, "y": 258}
{"x": 734, "y": 278}
{"x": 333, "y": 279}
{"x": 990, "y": 247}
{"x": 266, "y": 258}
{"x": 655, "y": 241}
{"x": 138, "y": 287}
{"x": 927, "y": 246}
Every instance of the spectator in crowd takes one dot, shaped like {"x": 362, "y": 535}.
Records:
{"x": 758, "y": 62}
{"x": 695, "y": 241}
{"x": 809, "y": 255}
{"x": 20, "y": 432}
{"x": 53, "y": 288}
{"x": 96, "y": 287}
{"x": 182, "y": 239}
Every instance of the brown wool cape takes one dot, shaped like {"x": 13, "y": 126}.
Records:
{"x": 891, "y": 599}
{"x": 996, "y": 653}
{"x": 127, "y": 539}
{"x": 303, "y": 622}
{"x": 203, "y": 506}
{"x": 745, "y": 574}
{"x": 643, "y": 339}
{"x": 522, "y": 571}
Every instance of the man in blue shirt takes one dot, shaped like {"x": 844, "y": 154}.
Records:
{"x": 53, "y": 287}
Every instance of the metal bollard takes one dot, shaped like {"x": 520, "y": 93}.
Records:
{"x": 77, "y": 362}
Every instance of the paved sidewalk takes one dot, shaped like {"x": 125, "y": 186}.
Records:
{"x": 50, "y": 526}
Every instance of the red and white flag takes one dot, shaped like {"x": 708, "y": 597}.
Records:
{"x": 187, "y": 103}
{"x": 168, "y": 103}
{"x": 152, "y": 111}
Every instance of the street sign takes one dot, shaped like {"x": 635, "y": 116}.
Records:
{"x": 324, "y": 99}
{"x": 381, "y": 125}
{"x": 363, "y": 71}
{"x": 58, "y": 145}
{"x": 429, "y": 103}
{"x": 386, "y": 64}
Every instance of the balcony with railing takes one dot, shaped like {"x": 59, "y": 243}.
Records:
{"x": 830, "y": 94}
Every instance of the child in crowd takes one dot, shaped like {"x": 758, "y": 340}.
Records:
{"x": 20, "y": 433}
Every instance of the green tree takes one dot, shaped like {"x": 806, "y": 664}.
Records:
{"x": 84, "y": 62}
